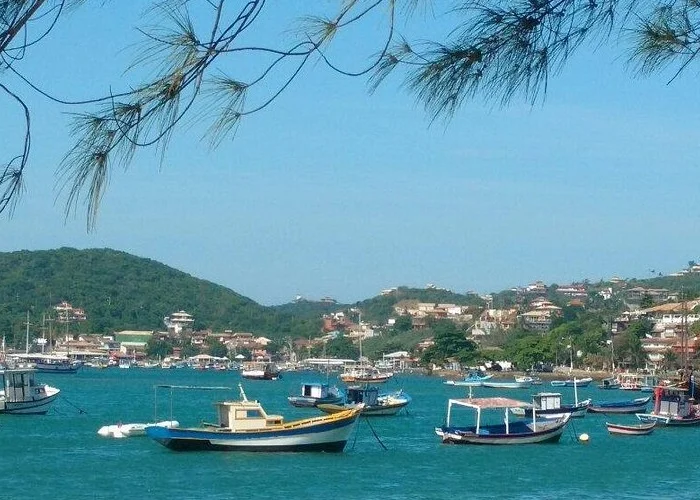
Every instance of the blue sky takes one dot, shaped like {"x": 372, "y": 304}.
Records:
{"x": 335, "y": 192}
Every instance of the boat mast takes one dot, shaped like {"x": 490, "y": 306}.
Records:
{"x": 26, "y": 347}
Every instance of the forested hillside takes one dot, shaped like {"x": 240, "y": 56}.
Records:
{"x": 120, "y": 291}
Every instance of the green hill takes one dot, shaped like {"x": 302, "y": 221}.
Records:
{"x": 119, "y": 291}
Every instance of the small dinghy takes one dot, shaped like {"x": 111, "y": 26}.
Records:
{"x": 631, "y": 430}
{"x": 130, "y": 430}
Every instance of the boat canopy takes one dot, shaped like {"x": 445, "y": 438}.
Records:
{"x": 490, "y": 403}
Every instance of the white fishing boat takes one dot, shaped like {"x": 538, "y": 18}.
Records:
{"x": 22, "y": 395}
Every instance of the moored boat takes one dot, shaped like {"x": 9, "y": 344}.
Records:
{"x": 631, "y": 430}
{"x": 473, "y": 379}
{"x": 505, "y": 433}
{"x": 609, "y": 383}
{"x": 371, "y": 401}
{"x": 578, "y": 382}
{"x": 549, "y": 405}
{"x": 257, "y": 370}
{"x": 243, "y": 425}
{"x": 673, "y": 406}
{"x": 507, "y": 384}
{"x": 626, "y": 406}
{"x": 49, "y": 363}
{"x": 364, "y": 374}
{"x": 22, "y": 395}
{"x": 315, "y": 393}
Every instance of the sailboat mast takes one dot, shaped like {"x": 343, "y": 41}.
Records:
{"x": 26, "y": 346}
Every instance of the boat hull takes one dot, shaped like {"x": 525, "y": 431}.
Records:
{"x": 368, "y": 410}
{"x": 506, "y": 385}
{"x": 37, "y": 406}
{"x": 622, "y": 407}
{"x": 327, "y": 436}
{"x": 57, "y": 368}
{"x": 631, "y": 430}
{"x": 669, "y": 421}
{"x": 584, "y": 382}
{"x": 308, "y": 402}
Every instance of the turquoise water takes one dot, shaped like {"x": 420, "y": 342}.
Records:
{"x": 60, "y": 455}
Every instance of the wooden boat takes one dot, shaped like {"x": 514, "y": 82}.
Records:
{"x": 638, "y": 382}
{"x": 316, "y": 393}
{"x": 631, "y": 430}
{"x": 22, "y": 395}
{"x": 578, "y": 382}
{"x": 673, "y": 406}
{"x": 473, "y": 379}
{"x": 373, "y": 403}
{"x": 609, "y": 383}
{"x": 505, "y": 433}
{"x": 364, "y": 374}
{"x": 548, "y": 405}
{"x": 528, "y": 378}
{"x": 260, "y": 370}
{"x": 243, "y": 425}
{"x": 506, "y": 384}
{"x": 626, "y": 406}
{"x": 49, "y": 363}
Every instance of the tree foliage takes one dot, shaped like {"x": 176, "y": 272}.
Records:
{"x": 450, "y": 342}
{"x": 201, "y": 64}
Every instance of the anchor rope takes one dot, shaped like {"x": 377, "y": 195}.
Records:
{"x": 375, "y": 434}
{"x": 80, "y": 410}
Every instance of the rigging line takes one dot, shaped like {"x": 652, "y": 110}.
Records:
{"x": 80, "y": 410}
{"x": 357, "y": 430}
{"x": 375, "y": 434}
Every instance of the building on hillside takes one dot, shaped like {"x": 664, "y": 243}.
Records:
{"x": 179, "y": 322}
{"x": 133, "y": 341}
{"x": 538, "y": 287}
{"x": 573, "y": 291}
{"x": 540, "y": 319}
{"x": 66, "y": 313}
{"x": 495, "y": 319}
{"x": 637, "y": 293}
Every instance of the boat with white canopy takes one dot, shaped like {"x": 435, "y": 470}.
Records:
{"x": 502, "y": 433}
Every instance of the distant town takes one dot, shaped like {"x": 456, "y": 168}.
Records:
{"x": 535, "y": 309}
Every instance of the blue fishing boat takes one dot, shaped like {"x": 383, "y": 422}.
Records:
{"x": 371, "y": 401}
{"x": 473, "y": 379}
{"x": 243, "y": 425}
{"x": 626, "y": 406}
{"x": 503, "y": 433}
{"x": 315, "y": 393}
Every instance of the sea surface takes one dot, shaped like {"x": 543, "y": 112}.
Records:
{"x": 60, "y": 455}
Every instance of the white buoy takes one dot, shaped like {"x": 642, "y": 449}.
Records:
{"x": 584, "y": 438}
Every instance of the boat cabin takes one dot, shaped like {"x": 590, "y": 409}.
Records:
{"x": 315, "y": 390}
{"x": 20, "y": 385}
{"x": 672, "y": 402}
{"x": 367, "y": 395}
{"x": 241, "y": 416}
{"x": 547, "y": 400}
